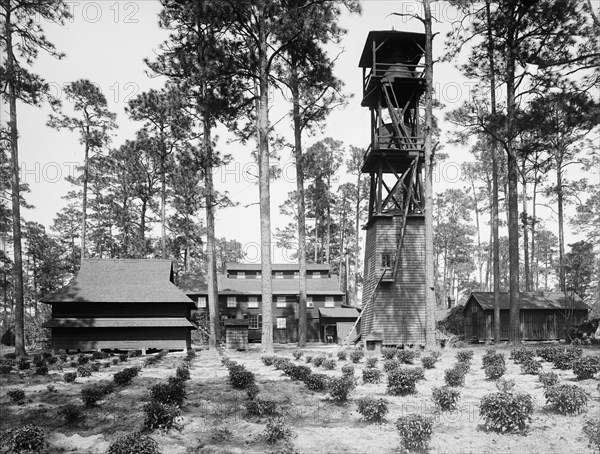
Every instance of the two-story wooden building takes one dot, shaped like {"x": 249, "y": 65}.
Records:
{"x": 239, "y": 291}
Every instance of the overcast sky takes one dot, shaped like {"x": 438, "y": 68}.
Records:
{"x": 106, "y": 43}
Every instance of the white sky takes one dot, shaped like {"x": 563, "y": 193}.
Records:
{"x": 106, "y": 42}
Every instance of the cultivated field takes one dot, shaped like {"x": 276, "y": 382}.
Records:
{"x": 214, "y": 417}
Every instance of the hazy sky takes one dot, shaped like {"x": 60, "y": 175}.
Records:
{"x": 106, "y": 43}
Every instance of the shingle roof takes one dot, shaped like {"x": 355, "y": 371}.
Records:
{"x": 122, "y": 322}
{"x": 121, "y": 281}
{"x": 338, "y": 312}
{"x": 235, "y": 266}
{"x": 196, "y": 285}
{"x": 529, "y": 300}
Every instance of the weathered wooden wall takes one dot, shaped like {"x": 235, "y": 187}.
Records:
{"x": 398, "y": 311}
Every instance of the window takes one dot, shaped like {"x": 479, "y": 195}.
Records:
{"x": 309, "y": 301}
{"x": 231, "y": 301}
{"x": 386, "y": 261}
{"x": 278, "y": 274}
{"x": 296, "y": 273}
{"x": 329, "y": 301}
{"x": 241, "y": 275}
{"x": 255, "y": 321}
{"x": 281, "y": 301}
{"x": 281, "y": 322}
{"x": 253, "y": 302}
{"x": 201, "y": 302}
{"x": 316, "y": 275}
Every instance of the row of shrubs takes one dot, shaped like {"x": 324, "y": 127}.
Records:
{"x": 563, "y": 358}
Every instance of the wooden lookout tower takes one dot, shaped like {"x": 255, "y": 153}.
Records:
{"x": 394, "y": 286}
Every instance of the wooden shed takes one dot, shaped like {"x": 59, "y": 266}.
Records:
{"x": 121, "y": 304}
{"x": 542, "y": 315}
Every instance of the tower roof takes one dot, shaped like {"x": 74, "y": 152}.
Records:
{"x": 389, "y": 43}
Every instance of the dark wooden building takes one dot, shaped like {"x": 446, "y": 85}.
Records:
{"x": 394, "y": 285}
{"x": 121, "y": 304}
{"x": 541, "y": 315}
{"x": 240, "y": 295}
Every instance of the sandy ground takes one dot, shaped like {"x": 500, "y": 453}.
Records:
{"x": 214, "y": 420}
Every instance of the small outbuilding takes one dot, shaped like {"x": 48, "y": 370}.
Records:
{"x": 121, "y": 304}
{"x": 542, "y": 315}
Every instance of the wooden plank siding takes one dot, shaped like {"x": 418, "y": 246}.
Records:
{"x": 398, "y": 310}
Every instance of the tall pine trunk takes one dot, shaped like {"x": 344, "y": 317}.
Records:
{"x": 19, "y": 309}
{"x": 357, "y": 243}
{"x": 301, "y": 206}
{"x": 525, "y": 222}
{"x": 495, "y": 203}
{"x": 262, "y": 119}
{"x": 86, "y": 170}
{"x": 428, "y": 183}
{"x": 211, "y": 261}
{"x": 163, "y": 202}
{"x": 561, "y": 233}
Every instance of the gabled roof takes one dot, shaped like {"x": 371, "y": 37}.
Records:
{"x": 236, "y": 266}
{"x": 121, "y": 281}
{"x": 196, "y": 285}
{"x": 529, "y": 300}
{"x": 338, "y": 312}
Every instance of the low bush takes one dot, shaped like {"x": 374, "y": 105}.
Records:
{"x": 82, "y": 359}
{"x": 339, "y": 388}
{"x": 308, "y": 359}
{"x": 463, "y": 366}
{"x": 371, "y": 361}
{"x": 52, "y": 360}
{"x": 73, "y": 364}
{"x": 318, "y": 360}
{"x": 586, "y": 366}
{"x": 277, "y": 430}
{"x": 41, "y": 370}
{"x": 348, "y": 370}
{"x": 160, "y": 416}
{"x": 491, "y": 358}
{"x": 299, "y": 373}
{"x": 506, "y": 412}
{"x": 268, "y": 360}
{"x": 260, "y": 407}
{"x": 454, "y": 376}
{"x": 495, "y": 371}
{"x": 531, "y": 366}
{"x": 329, "y": 364}
{"x": 30, "y": 439}
{"x": 95, "y": 366}
{"x": 341, "y": 355}
{"x": 415, "y": 431}
{"x": 445, "y": 397}
{"x": 391, "y": 364}
{"x": 115, "y": 361}
{"x": 428, "y": 362}
{"x": 152, "y": 360}
{"x": 84, "y": 371}
{"x": 547, "y": 379}
{"x": 134, "y": 353}
{"x": 591, "y": 429}
{"x": 37, "y": 361}
{"x": 252, "y": 391}
{"x": 240, "y": 377}
{"x": 125, "y": 376}
{"x": 297, "y": 354}
{"x": 122, "y": 358}
{"x": 99, "y": 355}
{"x": 402, "y": 381}
{"x": 372, "y": 410}
{"x": 137, "y": 443}
{"x": 464, "y": 356}
{"x": 283, "y": 364}
{"x": 505, "y": 385}
{"x": 69, "y": 377}
{"x": 71, "y": 414}
{"x": 317, "y": 382}
{"x": 388, "y": 353}
{"x": 406, "y": 356}
{"x": 418, "y": 373}
{"x": 566, "y": 399}
{"x": 90, "y": 395}
{"x": 16, "y": 395}
{"x": 64, "y": 357}
{"x": 23, "y": 364}
{"x": 173, "y": 392}
{"x": 371, "y": 375}
{"x": 547, "y": 353}
{"x": 356, "y": 356}
{"x": 522, "y": 354}
{"x": 182, "y": 372}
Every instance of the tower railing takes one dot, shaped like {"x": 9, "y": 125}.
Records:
{"x": 393, "y": 71}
